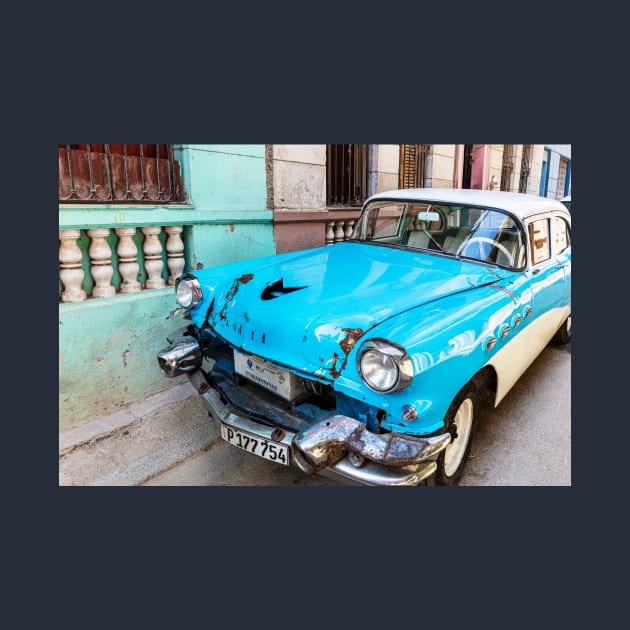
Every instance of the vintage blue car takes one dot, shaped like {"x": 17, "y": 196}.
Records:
{"x": 366, "y": 358}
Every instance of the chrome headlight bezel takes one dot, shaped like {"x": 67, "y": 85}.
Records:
{"x": 395, "y": 355}
{"x": 193, "y": 295}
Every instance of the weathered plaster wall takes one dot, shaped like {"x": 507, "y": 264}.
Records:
{"x": 108, "y": 346}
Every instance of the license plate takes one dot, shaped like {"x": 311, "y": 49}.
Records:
{"x": 285, "y": 384}
{"x": 273, "y": 451}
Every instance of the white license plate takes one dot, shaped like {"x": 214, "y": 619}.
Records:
{"x": 285, "y": 384}
{"x": 273, "y": 451}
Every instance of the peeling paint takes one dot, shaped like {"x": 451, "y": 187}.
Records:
{"x": 244, "y": 279}
{"x": 346, "y": 344}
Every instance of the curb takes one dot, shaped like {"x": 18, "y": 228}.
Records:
{"x": 104, "y": 426}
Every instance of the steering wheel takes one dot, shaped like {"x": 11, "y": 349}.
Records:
{"x": 484, "y": 239}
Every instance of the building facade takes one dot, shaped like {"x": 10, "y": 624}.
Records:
{"x": 555, "y": 178}
{"x": 316, "y": 191}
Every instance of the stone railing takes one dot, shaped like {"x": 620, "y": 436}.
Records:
{"x": 338, "y": 231}
{"x": 124, "y": 260}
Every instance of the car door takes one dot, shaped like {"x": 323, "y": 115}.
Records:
{"x": 561, "y": 250}
{"x": 549, "y": 272}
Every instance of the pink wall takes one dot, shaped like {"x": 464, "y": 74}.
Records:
{"x": 479, "y": 175}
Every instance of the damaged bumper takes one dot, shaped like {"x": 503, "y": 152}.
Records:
{"x": 333, "y": 445}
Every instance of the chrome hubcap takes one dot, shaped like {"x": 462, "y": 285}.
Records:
{"x": 454, "y": 452}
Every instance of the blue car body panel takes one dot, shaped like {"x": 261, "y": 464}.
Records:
{"x": 332, "y": 299}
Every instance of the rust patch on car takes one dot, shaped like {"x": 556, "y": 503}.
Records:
{"x": 244, "y": 279}
{"x": 333, "y": 369}
{"x": 346, "y": 344}
{"x": 353, "y": 334}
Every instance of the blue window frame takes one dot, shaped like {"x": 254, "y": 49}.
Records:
{"x": 544, "y": 176}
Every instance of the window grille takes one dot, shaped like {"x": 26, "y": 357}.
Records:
{"x": 119, "y": 173}
{"x": 346, "y": 174}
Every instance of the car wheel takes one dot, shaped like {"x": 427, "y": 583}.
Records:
{"x": 564, "y": 334}
{"x": 460, "y": 421}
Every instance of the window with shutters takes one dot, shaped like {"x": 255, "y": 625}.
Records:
{"x": 562, "y": 179}
{"x": 413, "y": 165}
{"x": 507, "y": 166}
{"x": 346, "y": 174}
{"x": 119, "y": 173}
{"x": 525, "y": 168}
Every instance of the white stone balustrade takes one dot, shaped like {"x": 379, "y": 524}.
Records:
{"x": 174, "y": 252}
{"x": 103, "y": 265}
{"x": 70, "y": 271}
{"x": 339, "y": 231}
{"x": 153, "y": 264}
{"x": 128, "y": 266}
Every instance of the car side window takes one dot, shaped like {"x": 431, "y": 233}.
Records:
{"x": 560, "y": 235}
{"x": 539, "y": 241}
{"x": 386, "y": 221}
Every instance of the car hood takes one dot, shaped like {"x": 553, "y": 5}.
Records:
{"x": 307, "y": 310}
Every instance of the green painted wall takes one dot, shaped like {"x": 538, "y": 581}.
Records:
{"x": 108, "y": 346}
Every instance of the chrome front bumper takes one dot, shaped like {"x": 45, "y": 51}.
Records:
{"x": 328, "y": 446}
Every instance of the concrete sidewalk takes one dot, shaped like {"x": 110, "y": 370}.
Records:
{"x": 138, "y": 442}
{"x": 167, "y": 439}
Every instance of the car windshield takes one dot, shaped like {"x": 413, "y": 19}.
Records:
{"x": 483, "y": 234}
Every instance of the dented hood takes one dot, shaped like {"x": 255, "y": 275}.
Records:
{"x": 306, "y": 310}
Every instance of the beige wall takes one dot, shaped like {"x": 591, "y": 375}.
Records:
{"x": 388, "y": 157}
{"x": 299, "y": 177}
{"x": 441, "y": 166}
{"x": 494, "y": 166}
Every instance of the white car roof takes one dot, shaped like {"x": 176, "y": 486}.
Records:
{"x": 518, "y": 204}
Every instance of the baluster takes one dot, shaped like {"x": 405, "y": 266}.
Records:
{"x": 128, "y": 266}
{"x": 153, "y": 263}
{"x": 349, "y": 230}
{"x": 174, "y": 252}
{"x": 339, "y": 232}
{"x": 100, "y": 259}
{"x": 330, "y": 234}
{"x": 71, "y": 273}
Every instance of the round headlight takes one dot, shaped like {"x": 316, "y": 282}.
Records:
{"x": 187, "y": 291}
{"x": 384, "y": 366}
{"x": 379, "y": 371}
